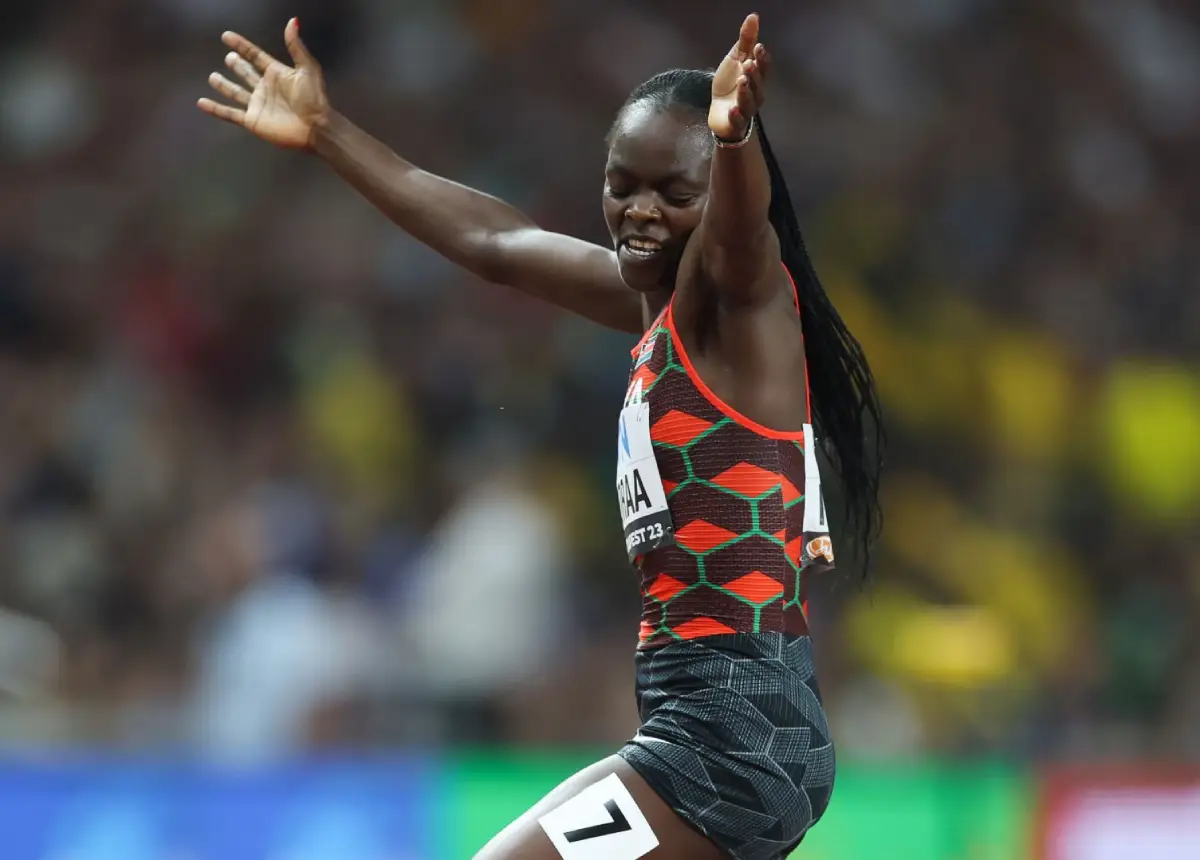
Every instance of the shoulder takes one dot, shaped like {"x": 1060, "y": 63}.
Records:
{"x": 699, "y": 302}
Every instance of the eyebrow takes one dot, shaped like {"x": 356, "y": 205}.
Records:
{"x": 673, "y": 176}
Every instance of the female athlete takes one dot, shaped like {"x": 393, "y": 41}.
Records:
{"x": 717, "y": 479}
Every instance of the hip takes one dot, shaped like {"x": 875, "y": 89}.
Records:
{"x": 735, "y": 738}
{"x": 721, "y": 689}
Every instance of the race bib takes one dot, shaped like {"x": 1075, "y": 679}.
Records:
{"x": 602, "y": 822}
{"x": 816, "y": 521}
{"x": 645, "y": 516}
{"x": 818, "y": 545}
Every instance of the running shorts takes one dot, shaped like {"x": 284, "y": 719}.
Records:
{"x": 735, "y": 739}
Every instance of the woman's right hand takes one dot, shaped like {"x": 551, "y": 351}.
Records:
{"x": 281, "y": 104}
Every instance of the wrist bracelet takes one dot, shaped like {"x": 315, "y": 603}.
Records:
{"x": 735, "y": 144}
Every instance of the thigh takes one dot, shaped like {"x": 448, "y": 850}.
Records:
{"x": 585, "y": 829}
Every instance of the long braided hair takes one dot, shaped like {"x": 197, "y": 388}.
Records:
{"x": 845, "y": 403}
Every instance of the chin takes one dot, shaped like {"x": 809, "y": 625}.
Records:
{"x": 647, "y": 276}
{"x": 639, "y": 280}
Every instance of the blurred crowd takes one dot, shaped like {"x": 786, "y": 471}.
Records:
{"x": 273, "y": 477}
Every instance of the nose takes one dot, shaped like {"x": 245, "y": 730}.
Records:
{"x": 643, "y": 210}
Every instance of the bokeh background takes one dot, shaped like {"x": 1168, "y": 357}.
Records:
{"x": 307, "y": 544}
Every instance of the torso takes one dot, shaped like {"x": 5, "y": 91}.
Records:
{"x": 726, "y": 541}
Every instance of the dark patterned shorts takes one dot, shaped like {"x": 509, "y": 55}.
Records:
{"x": 735, "y": 740}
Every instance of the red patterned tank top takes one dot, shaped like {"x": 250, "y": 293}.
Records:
{"x": 723, "y": 517}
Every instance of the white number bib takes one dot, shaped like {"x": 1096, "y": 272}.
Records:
{"x": 645, "y": 516}
{"x": 818, "y": 547}
{"x": 602, "y": 822}
{"x": 816, "y": 521}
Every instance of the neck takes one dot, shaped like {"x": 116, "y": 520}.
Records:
{"x": 653, "y": 304}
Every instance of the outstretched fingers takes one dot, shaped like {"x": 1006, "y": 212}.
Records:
{"x": 237, "y": 116}
{"x": 253, "y": 54}
{"x": 240, "y": 67}
{"x": 227, "y": 88}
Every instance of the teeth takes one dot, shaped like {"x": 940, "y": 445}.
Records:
{"x": 642, "y": 247}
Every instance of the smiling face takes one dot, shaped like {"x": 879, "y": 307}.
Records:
{"x": 655, "y": 187}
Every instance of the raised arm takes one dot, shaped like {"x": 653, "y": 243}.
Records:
{"x": 287, "y": 106}
{"x": 739, "y": 251}
{"x": 479, "y": 232}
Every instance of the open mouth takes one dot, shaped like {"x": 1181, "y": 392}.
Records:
{"x": 642, "y": 249}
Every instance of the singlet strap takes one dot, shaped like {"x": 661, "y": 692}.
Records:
{"x": 745, "y": 421}
{"x": 654, "y": 326}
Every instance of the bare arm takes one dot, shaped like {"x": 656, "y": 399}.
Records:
{"x": 479, "y": 232}
{"x": 739, "y": 251}
{"x": 287, "y": 106}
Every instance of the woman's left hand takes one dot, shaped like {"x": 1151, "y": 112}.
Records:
{"x": 737, "y": 87}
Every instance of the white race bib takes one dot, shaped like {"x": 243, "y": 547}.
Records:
{"x": 645, "y": 516}
{"x": 816, "y": 521}
{"x": 602, "y": 822}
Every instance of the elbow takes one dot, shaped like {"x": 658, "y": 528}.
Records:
{"x": 484, "y": 255}
{"x": 500, "y": 256}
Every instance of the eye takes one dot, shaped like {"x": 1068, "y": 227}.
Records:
{"x": 678, "y": 194}
{"x": 617, "y": 192}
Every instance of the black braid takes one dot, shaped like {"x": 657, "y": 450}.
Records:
{"x": 845, "y": 403}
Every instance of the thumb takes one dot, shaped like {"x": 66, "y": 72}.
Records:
{"x": 300, "y": 55}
